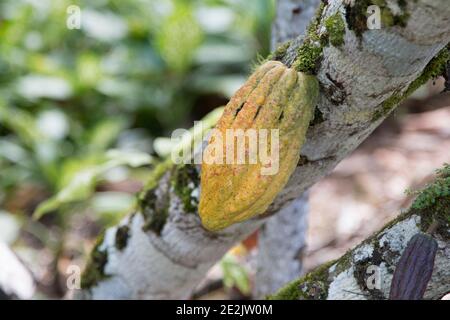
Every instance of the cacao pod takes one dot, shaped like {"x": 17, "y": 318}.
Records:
{"x": 414, "y": 269}
{"x": 274, "y": 97}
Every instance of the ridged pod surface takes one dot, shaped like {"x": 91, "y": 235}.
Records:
{"x": 413, "y": 271}
{"x": 274, "y": 97}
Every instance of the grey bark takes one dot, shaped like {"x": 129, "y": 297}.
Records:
{"x": 281, "y": 244}
{"x": 292, "y": 19}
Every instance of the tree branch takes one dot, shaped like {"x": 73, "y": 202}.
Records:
{"x": 366, "y": 271}
{"x": 162, "y": 251}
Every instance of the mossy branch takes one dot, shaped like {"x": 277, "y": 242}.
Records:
{"x": 308, "y": 55}
{"x": 431, "y": 206}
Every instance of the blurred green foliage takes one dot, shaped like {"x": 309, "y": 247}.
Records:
{"x": 136, "y": 70}
{"x": 235, "y": 274}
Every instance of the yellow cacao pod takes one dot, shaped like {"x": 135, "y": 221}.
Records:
{"x": 274, "y": 97}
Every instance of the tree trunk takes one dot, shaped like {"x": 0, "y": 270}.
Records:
{"x": 281, "y": 243}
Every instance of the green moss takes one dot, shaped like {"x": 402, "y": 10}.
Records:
{"x": 259, "y": 61}
{"x": 184, "y": 181}
{"x": 279, "y": 52}
{"x": 288, "y": 292}
{"x": 433, "y": 69}
{"x": 344, "y": 262}
{"x": 314, "y": 285}
{"x": 335, "y": 26}
{"x": 387, "y": 106}
{"x": 309, "y": 53}
{"x": 432, "y": 203}
{"x": 122, "y": 235}
{"x": 440, "y": 188}
{"x": 389, "y": 20}
{"x": 94, "y": 271}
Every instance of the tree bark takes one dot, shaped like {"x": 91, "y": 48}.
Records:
{"x": 366, "y": 271}
{"x": 292, "y": 19}
{"x": 162, "y": 251}
{"x": 281, "y": 243}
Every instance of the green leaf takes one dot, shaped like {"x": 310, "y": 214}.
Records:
{"x": 174, "y": 145}
{"x": 80, "y": 185}
{"x": 13, "y": 152}
{"x": 22, "y": 123}
{"x": 117, "y": 157}
{"x": 179, "y": 37}
{"x": 104, "y": 134}
{"x": 111, "y": 206}
{"x": 234, "y": 275}
{"x": 163, "y": 146}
